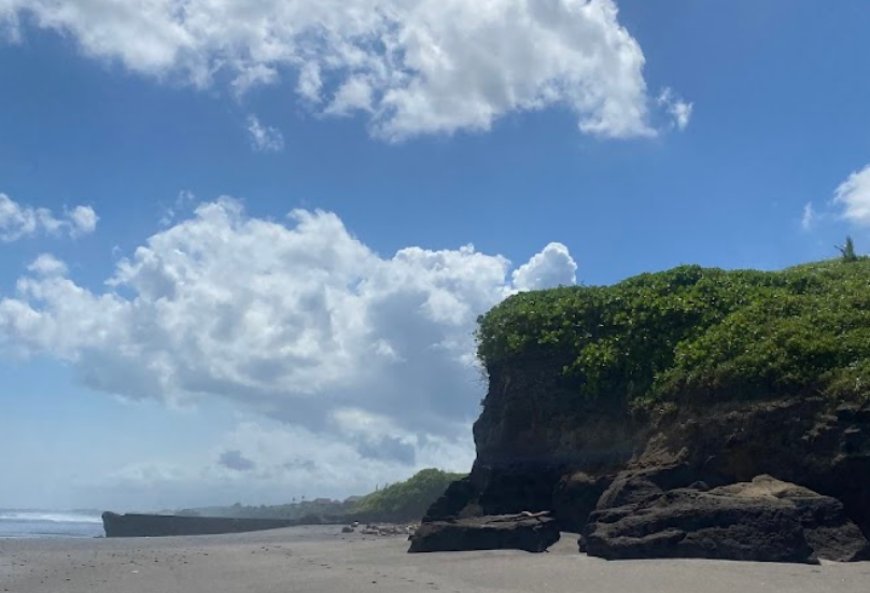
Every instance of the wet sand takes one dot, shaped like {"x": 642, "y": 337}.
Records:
{"x": 322, "y": 560}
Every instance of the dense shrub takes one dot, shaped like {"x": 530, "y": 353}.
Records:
{"x": 696, "y": 333}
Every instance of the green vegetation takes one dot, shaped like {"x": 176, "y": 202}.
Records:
{"x": 405, "y": 501}
{"x": 696, "y": 334}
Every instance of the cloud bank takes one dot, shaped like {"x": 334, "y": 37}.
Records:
{"x": 301, "y": 323}
{"x": 19, "y": 221}
{"x": 412, "y": 66}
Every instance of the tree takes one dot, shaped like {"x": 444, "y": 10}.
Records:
{"x": 847, "y": 251}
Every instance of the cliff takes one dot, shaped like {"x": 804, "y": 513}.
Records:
{"x": 604, "y": 398}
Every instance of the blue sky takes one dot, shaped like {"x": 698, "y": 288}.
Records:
{"x": 162, "y": 310}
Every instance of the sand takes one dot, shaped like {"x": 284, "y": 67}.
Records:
{"x": 320, "y": 559}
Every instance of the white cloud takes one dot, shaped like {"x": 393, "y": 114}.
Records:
{"x": 83, "y": 220}
{"x": 9, "y": 26}
{"x": 264, "y": 138}
{"x": 853, "y": 196}
{"x": 679, "y": 110}
{"x": 47, "y": 265}
{"x": 415, "y": 66}
{"x": 18, "y": 221}
{"x": 808, "y": 218}
{"x": 554, "y": 266}
{"x": 265, "y": 462}
{"x": 302, "y": 323}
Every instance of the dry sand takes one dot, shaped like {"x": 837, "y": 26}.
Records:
{"x": 320, "y": 559}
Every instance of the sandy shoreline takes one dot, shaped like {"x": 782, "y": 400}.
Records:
{"x": 320, "y": 559}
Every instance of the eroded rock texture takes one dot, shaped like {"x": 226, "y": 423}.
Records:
{"x": 516, "y": 532}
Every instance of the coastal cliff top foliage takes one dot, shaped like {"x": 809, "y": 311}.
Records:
{"x": 696, "y": 334}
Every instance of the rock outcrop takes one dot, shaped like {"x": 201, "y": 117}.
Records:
{"x": 690, "y": 460}
{"x": 543, "y": 453}
{"x": 763, "y": 520}
{"x": 526, "y": 531}
{"x": 667, "y": 393}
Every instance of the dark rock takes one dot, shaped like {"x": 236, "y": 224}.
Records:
{"x": 804, "y": 440}
{"x": 541, "y": 447}
{"x": 763, "y": 520}
{"x": 633, "y": 487}
{"x": 135, "y": 525}
{"x": 529, "y": 532}
{"x": 459, "y": 495}
{"x": 575, "y": 497}
{"x": 527, "y": 446}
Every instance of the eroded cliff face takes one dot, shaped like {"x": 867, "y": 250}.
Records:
{"x": 658, "y": 394}
{"x": 815, "y": 442}
{"x": 541, "y": 448}
{"x": 536, "y": 442}
{"x": 531, "y": 414}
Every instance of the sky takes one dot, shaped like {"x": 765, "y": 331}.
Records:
{"x": 243, "y": 246}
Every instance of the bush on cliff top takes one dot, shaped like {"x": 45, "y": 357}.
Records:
{"x": 696, "y": 333}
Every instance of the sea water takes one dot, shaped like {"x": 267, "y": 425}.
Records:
{"x": 31, "y": 524}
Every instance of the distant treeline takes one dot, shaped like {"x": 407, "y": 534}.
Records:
{"x": 403, "y": 501}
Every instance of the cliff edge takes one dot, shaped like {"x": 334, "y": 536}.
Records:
{"x": 665, "y": 388}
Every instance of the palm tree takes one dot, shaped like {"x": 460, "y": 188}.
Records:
{"x": 847, "y": 251}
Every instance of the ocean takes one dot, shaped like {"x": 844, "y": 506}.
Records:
{"x": 49, "y": 524}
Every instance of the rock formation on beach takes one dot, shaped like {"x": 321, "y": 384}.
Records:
{"x": 690, "y": 413}
{"x": 529, "y": 532}
{"x": 766, "y": 520}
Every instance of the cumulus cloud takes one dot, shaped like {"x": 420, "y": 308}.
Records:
{"x": 299, "y": 322}
{"x": 554, "y": 266}
{"x": 264, "y": 138}
{"x": 413, "y": 66}
{"x": 82, "y": 220}
{"x": 853, "y": 197}
{"x": 18, "y": 221}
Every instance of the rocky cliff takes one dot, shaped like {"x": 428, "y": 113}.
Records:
{"x": 669, "y": 387}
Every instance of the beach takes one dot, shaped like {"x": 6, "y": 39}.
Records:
{"x": 323, "y": 560}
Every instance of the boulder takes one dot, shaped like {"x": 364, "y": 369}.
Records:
{"x": 532, "y": 532}
{"x": 762, "y": 520}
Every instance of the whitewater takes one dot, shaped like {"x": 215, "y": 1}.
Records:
{"x": 49, "y": 524}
